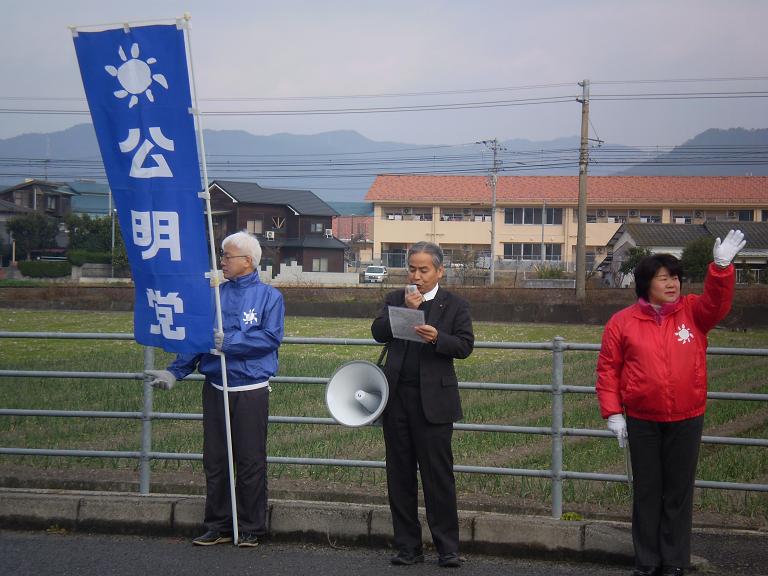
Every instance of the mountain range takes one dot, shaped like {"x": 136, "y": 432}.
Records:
{"x": 341, "y": 165}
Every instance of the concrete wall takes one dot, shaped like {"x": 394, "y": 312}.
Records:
{"x": 750, "y": 307}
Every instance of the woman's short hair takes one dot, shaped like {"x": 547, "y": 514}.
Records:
{"x": 245, "y": 242}
{"x": 430, "y": 248}
{"x": 647, "y": 267}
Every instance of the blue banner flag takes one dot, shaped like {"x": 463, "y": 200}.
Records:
{"x": 138, "y": 91}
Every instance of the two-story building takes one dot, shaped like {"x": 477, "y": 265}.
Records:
{"x": 49, "y": 198}
{"x": 292, "y": 225}
{"x": 536, "y": 216}
{"x": 354, "y": 226}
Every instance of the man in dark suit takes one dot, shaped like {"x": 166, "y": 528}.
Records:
{"x": 423, "y": 405}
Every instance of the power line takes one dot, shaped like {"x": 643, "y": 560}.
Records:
{"x": 428, "y": 92}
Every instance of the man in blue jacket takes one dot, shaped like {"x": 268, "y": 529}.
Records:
{"x": 253, "y": 315}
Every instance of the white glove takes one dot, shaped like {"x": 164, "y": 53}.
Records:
{"x": 618, "y": 426}
{"x": 724, "y": 252}
{"x": 218, "y": 340}
{"x": 162, "y": 379}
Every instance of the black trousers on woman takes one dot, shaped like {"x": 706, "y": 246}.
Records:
{"x": 664, "y": 458}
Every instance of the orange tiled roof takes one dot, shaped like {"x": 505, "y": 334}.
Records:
{"x": 606, "y": 190}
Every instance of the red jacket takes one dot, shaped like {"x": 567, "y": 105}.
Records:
{"x": 653, "y": 366}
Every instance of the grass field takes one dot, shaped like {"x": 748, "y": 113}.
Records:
{"x": 724, "y": 418}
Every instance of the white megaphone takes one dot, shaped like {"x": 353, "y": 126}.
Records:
{"x": 357, "y": 393}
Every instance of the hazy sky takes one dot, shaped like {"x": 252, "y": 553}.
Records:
{"x": 287, "y": 50}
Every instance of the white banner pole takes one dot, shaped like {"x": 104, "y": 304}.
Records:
{"x": 214, "y": 271}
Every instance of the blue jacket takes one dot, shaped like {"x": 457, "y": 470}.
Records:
{"x": 252, "y": 315}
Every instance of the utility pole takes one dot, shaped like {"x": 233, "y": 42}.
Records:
{"x": 494, "y": 146}
{"x": 581, "y": 233}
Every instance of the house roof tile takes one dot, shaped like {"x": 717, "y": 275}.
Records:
{"x": 679, "y": 235}
{"x": 305, "y": 202}
{"x": 657, "y": 235}
{"x": 564, "y": 190}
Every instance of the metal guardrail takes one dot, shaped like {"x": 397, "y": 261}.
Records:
{"x": 556, "y": 431}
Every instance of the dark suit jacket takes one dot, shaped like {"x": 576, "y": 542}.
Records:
{"x": 439, "y": 385}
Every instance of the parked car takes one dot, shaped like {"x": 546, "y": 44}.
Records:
{"x": 375, "y": 274}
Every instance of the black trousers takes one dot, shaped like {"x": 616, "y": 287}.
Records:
{"x": 664, "y": 458}
{"x": 248, "y": 412}
{"x": 411, "y": 440}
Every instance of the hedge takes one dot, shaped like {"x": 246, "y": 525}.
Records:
{"x": 44, "y": 269}
{"x": 80, "y": 257}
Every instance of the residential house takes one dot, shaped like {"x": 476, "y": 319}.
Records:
{"x": 50, "y": 198}
{"x": 292, "y": 225}
{"x": 91, "y": 198}
{"x": 751, "y": 263}
{"x": 535, "y": 217}
{"x": 354, "y": 226}
{"x": 8, "y": 210}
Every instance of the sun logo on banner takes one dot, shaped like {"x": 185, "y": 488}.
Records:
{"x": 683, "y": 334}
{"x": 135, "y": 76}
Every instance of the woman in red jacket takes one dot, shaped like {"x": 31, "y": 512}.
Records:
{"x": 653, "y": 368}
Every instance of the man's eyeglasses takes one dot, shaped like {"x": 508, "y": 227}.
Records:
{"x": 226, "y": 257}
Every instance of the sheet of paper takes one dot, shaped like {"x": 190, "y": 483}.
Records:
{"x": 403, "y": 322}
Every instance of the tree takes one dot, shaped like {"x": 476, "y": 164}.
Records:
{"x": 634, "y": 255}
{"x": 630, "y": 262}
{"x": 697, "y": 255}
{"x": 32, "y": 232}
{"x": 120, "y": 256}
{"x": 91, "y": 234}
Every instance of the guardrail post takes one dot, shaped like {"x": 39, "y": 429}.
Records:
{"x": 146, "y": 423}
{"x": 557, "y": 426}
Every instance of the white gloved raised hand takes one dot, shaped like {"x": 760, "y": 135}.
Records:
{"x": 724, "y": 252}
{"x": 218, "y": 340}
{"x": 618, "y": 426}
{"x": 162, "y": 379}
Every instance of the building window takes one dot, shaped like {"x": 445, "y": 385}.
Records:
{"x": 746, "y": 215}
{"x": 616, "y": 216}
{"x": 319, "y": 264}
{"x": 533, "y": 215}
{"x": 532, "y": 251}
{"x": 407, "y": 213}
{"x": 255, "y": 226}
{"x": 316, "y": 227}
{"x": 682, "y": 217}
{"x": 50, "y": 202}
{"x": 765, "y": 214}
{"x": 714, "y": 215}
{"x": 651, "y": 217}
{"x": 606, "y": 216}
{"x": 451, "y": 215}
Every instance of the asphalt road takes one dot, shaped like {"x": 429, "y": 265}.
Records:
{"x": 61, "y": 553}
{"x": 41, "y": 554}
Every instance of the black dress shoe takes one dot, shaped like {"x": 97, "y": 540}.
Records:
{"x": 667, "y": 571}
{"x": 449, "y": 560}
{"x": 645, "y": 571}
{"x": 403, "y": 558}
